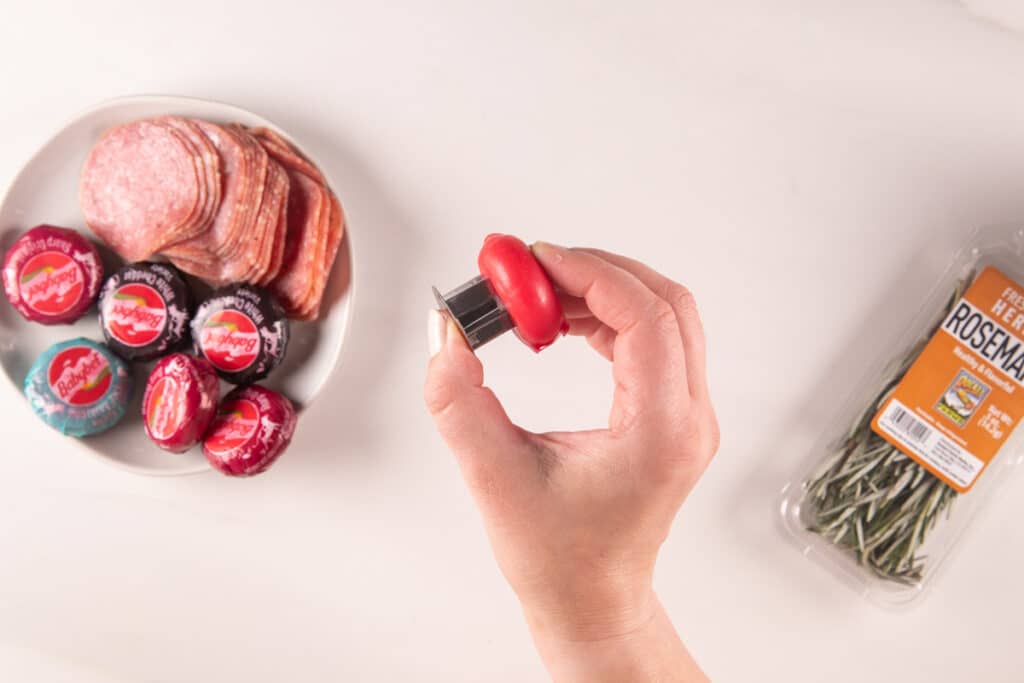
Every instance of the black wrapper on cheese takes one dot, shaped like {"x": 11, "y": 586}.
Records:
{"x": 144, "y": 310}
{"x": 242, "y": 330}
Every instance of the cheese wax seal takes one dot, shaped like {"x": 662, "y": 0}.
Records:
{"x": 79, "y": 387}
{"x": 52, "y": 275}
{"x": 512, "y": 293}
{"x": 144, "y": 310}
{"x": 180, "y": 401}
{"x": 243, "y": 331}
{"x": 253, "y": 427}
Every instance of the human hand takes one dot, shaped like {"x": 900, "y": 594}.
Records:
{"x": 576, "y": 519}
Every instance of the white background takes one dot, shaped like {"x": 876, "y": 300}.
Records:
{"x": 805, "y": 167}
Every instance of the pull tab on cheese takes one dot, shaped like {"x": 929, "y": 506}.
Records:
{"x": 964, "y": 395}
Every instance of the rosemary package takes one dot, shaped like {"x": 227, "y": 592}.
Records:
{"x": 873, "y": 500}
{"x": 927, "y": 439}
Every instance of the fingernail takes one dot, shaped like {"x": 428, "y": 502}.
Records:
{"x": 452, "y": 333}
{"x": 437, "y": 329}
{"x": 547, "y": 252}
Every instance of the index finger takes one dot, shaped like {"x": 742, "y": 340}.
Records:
{"x": 649, "y": 364}
{"x": 682, "y": 302}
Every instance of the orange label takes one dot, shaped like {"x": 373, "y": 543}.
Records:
{"x": 964, "y": 395}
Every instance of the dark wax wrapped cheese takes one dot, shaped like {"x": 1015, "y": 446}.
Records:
{"x": 52, "y": 275}
{"x": 79, "y": 387}
{"x": 242, "y": 331}
{"x": 180, "y": 401}
{"x": 253, "y": 427}
{"x": 144, "y": 310}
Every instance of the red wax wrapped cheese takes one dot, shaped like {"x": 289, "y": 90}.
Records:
{"x": 180, "y": 401}
{"x": 52, "y": 275}
{"x": 253, "y": 427}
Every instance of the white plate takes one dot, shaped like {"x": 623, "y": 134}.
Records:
{"x": 46, "y": 191}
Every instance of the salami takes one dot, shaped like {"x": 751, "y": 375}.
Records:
{"x": 286, "y": 153}
{"x": 269, "y": 214}
{"x": 280, "y": 238}
{"x": 225, "y": 203}
{"x": 203, "y": 248}
{"x": 310, "y": 250}
{"x": 239, "y": 240}
{"x": 308, "y": 217}
{"x": 207, "y": 161}
{"x": 336, "y": 231}
{"x": 140, "y": 190}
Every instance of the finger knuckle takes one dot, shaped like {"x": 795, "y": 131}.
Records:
{"x": 663, "y": 317}
{"x": 693, "y": 445}
{"x": 702, "y": 434}
{"x": 681, "y": 298}
{"x": 438, "y": 396}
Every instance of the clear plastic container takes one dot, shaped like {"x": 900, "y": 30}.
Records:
{"x": 884, "y": 525}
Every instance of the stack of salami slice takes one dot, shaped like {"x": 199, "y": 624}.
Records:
{"x": 225, "y": 203}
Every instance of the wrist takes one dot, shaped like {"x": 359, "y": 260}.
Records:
{"x": 641, "y": 645}
{"x": 598, "y": 615}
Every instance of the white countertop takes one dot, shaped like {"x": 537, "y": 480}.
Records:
{"x": 805, "y": 169}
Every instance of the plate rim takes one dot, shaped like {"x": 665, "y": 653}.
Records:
{"x": 171, "y": 100}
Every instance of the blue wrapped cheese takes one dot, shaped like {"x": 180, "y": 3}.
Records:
{"x": 79, "y": 387}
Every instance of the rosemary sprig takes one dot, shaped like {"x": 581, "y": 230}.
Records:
{"x": 872, "y": 500}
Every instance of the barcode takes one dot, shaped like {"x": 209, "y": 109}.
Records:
{"x": 909, "y": 425}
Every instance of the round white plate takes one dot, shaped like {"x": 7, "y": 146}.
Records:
{"x": 46, "y": 191}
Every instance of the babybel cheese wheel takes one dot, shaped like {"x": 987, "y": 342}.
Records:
{"x": 253, "y": 427}
{"x": 79, "y": 387}
{"x": 180, "y": 401}
{"x": 52, "y": 275}
{"x": 144, "y": 310}
{"x": 242, "y": 331}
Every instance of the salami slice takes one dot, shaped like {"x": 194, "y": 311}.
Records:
{"x": 208, "y": 165}
{"x": 266, "y": 224}
{"x": 336, "y": 232}
{"x": 204, "y": 270}
{"x": 240, "y": 236}
{"x": 308, "y": 205}
{"x": 191, "y": 224}
{"x": 252, "y": 259}
{"x": 139, "y": 188}
{"x": 286, "y": 153}
{"x": 316, "y": 275}
{"x": 307, "y": 224}
{"x": 280, "y": 236}
{"x": 204, "y": 247}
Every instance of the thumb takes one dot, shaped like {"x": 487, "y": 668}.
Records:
{"x": 496, "y": 456}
